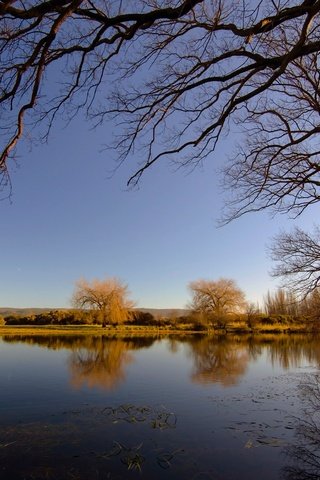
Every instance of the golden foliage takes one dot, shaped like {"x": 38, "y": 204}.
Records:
{"x": 109, "y": 297}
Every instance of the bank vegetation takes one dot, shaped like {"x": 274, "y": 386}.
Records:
{"x": 280, "y": 313}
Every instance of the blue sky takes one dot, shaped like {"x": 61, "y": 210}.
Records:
{"x": 68, "y": 219}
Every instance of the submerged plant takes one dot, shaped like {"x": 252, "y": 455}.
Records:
{"x": 164, "y": 420}
{"x": 159, "y": 418}
{"x": 164, "y": 460}
{"x": 133, "y": 461}
{"x": 130, "y": 456}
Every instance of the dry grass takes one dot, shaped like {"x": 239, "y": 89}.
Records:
{"x": 134, "y": 330}
{"x": 123, "y": 330}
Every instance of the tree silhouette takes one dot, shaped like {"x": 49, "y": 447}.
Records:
{"x": 176, "y": 76}
{"x": 297, "y": 257}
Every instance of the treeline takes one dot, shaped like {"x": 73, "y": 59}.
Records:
{"x": 53, "y": 317}
{"x": 283, "y": 302}
{"x": 281, "y": 311}
{"x": 249, "y": 321}
{"x": 91, "y": 317}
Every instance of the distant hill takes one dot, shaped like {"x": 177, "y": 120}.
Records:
{"x": 156, "y": 312}
{"x": 165, "y": 312}
{"x": 5, "y": 311}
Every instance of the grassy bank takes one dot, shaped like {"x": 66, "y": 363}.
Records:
{"x": 127, "y": 330}
{"x": 97, "y": 330}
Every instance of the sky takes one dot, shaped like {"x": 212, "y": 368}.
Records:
{"x": 68, "y": 219}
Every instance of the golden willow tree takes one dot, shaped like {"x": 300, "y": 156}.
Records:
{"x": 215, "y": 300}
{"x": 176, "y": 76}
{"x": 109, "y": 298}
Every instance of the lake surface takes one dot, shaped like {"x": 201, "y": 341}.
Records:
{"x": 77, "y": 407}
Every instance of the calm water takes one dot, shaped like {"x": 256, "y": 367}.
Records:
{"x": 177, "y": 408}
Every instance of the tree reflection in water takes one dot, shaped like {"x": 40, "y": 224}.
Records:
{"x": 95, "y": 361}
{"x": 100, "y": 363}
{"x": 220, "y": 361}
{"x": 305, "y": 452}
{"x": 225, "y": 359}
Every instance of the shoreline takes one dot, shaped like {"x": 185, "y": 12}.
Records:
{"x": 127, "y": 330}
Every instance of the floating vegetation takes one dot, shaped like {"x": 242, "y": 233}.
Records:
{"x": 164, "y": 420}
{"x": 164, "y": 460}
{"x": 133, "y": 461}
{"x": 130, "y": 456}
{"x": 133, "y": 458}
{"x": 158, "y": 418}
{"x": 271, "y": 442}
{"x": 257, "y": 434}
{"x": 128, "y": 413}
{"x": 249, "y": 444}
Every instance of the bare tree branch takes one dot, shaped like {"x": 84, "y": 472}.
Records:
{"x": 175, "y": 76}
{"x": 298, "y": 260}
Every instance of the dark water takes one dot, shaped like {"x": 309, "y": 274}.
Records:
{"x": 177, "y": 408}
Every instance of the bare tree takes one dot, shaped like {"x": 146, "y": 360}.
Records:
{"x": 216, "y": 299}
{"x": 176, "y": 77}
{"x": 253, "y": 314}
{"x": 297, "y": 257}
{"x": 109, "y": 297}
{"x": 277, "y": 165}
{"x": 313, "y": 305}
{"x": 282, "y": 302}
{"x": 183, "y": 73}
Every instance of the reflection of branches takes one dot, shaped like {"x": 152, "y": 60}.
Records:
{"x": 291, "y": 351}
{"x": 216, "y": 359}
{"x": 306, "y": 451}
{"x": 95, "y": 360}
{"x": 222, "y": 362}
{"x": 102, "y": 364}
{"x": 73, "y": 342}
{"x": 225, "y": 360}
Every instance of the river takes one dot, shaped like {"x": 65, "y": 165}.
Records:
{"x": 180, "y": 407}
